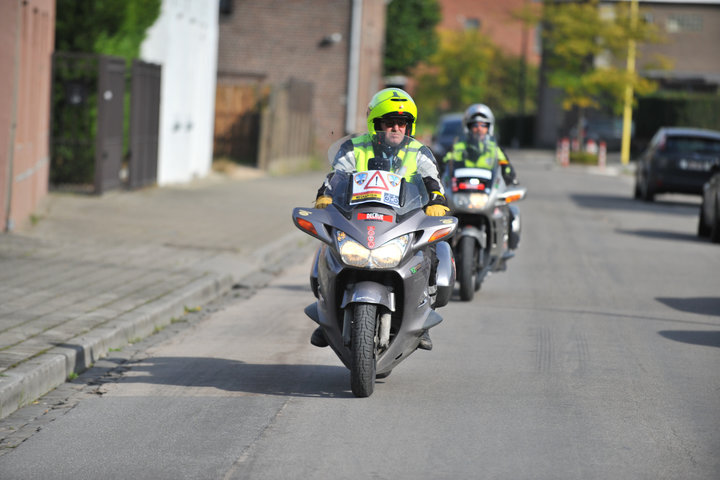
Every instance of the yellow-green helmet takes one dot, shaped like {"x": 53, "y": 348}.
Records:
{"x": 391, "y": 102}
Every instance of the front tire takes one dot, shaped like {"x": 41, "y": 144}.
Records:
{"x": 363, "y": 350}
{"x": 703, "y": 230}
{"x": 468, "y": 270}
{"x": 647, "y": 192}
{"x": 715, "y": 228}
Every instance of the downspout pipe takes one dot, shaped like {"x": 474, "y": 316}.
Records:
{"x": 7, "y": 221}
{"x": 353, "y": 66}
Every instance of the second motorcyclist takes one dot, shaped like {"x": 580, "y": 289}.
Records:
{"x": 478, "y": 149}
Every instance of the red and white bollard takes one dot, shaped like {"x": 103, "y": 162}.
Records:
{"x": 602, "y": 155}
{"x": 591, "y": 146}
{"x": 564, "y": 152}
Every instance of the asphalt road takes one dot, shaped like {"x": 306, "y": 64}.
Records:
{"x": 594, "y": 356}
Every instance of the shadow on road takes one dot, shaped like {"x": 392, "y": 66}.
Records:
{"x": 700, "y": 305}
{"x": 665, "y": 207}
{"x": 663, "y": 235}
{"x": 705, "y": 338}
{"x": 320, "y": 381}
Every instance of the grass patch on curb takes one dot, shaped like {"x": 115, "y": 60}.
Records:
{"x": 583, "y": 158}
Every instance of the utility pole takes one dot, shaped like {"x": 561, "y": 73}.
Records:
{"x": 627, "y": 111}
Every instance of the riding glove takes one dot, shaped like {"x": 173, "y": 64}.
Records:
{"x": 436, "y": 210}
{"x": 323, "y": 201}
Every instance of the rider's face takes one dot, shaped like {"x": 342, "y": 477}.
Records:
{"x": 394, "y": 129}
{"x": 480, "y": 129}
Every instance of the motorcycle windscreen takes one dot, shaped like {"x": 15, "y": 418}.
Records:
{"x": 349, "y": 190}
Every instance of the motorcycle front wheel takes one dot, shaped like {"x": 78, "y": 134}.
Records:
{"x": 363, "y": 350}
{"x": 468, "y": 268}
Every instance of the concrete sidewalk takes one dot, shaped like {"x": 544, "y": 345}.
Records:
{"x": 97, "y": 273}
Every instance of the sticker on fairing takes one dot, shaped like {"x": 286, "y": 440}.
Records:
{"x": 376, "y": 186}
{"x": 375, "y": 216}
{"x": 371, "y": 237}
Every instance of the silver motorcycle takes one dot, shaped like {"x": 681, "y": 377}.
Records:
{"x": 481, "y": 201}
{"x": 371, "y": 275}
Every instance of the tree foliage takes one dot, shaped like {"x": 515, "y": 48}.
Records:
{"x": 468, "y": 68}
{"x": 111, "y": 27}
{"x": 410, "y": 33}
{"x": 576, "y": 35}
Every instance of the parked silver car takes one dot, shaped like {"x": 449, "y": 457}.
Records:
{"x": 709, "y": 222}
{"x": 677, "y": 160}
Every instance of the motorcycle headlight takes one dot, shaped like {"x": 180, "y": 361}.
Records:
{"x": 351, "y": 252}
{"x": 387, "y": 255}
{"x": 475, "y": 200}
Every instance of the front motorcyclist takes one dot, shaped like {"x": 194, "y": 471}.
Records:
{"x": 389, "y": 145}
{"x": 478, "y": 149}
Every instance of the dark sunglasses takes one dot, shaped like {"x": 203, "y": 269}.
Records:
{"x": 479, "y": 124}
{"x": 390, "y": 122}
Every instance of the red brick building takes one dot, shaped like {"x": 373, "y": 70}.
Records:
{"x": 27, "y": 38}
{"x": 497, "y": 20}
{"x": 336, "y": 45}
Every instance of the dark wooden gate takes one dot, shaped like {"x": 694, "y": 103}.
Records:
{"x": 144, "y": 124}
{"x": 90, "y": 141}
{"x": 109, "y": 139}
{"x": 237, "y": 122}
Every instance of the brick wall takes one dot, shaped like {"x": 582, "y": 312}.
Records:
{"x": 495, "y": 19}
{"x": 27, "y": 28}
{"x": 267, "y": 42}
{"x": 692, "y": 34}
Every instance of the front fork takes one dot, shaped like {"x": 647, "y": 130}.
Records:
{"x": 382, "y": 333}
{"x": 368, "y": 292}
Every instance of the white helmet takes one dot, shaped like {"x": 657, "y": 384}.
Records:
{"x": 479, "y": 112}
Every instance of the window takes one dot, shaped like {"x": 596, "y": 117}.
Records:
{"x": 692, "y": 145}
{"x": 684, "y": 23}
{"x": 472, "y": 24}
{"x": 226, "y": 7}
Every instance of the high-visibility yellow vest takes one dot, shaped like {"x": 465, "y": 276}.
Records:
{"x": 363, "y": 151}
{"x": 486, "y": 160}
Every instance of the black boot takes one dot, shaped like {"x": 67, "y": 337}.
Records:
{"x": 432, "y": 293}
{"x": 318, "y": 338}
{"x": 425, "y": 342}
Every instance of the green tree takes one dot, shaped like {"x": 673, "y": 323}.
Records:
{"x": 468, "y": 68}
{"x": 576, "y": 35}
{"x": 111, "y": 27}
{"x": 410, "y": 34}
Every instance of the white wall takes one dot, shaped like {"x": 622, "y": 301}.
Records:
{"x": 184, "y": 41}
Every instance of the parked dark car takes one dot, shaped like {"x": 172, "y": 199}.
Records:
{"x": 709, "y": 222}
{"x": 604, "y": 129}
{"x": 448, "y": 128}
{"x": 677, "y": 160}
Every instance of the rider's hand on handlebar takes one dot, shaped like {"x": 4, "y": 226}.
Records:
{"x": 323, "y": 201}
{"x": 436, "y": 210}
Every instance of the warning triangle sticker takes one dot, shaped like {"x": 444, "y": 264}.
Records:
{"x": 376, "y": 182}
